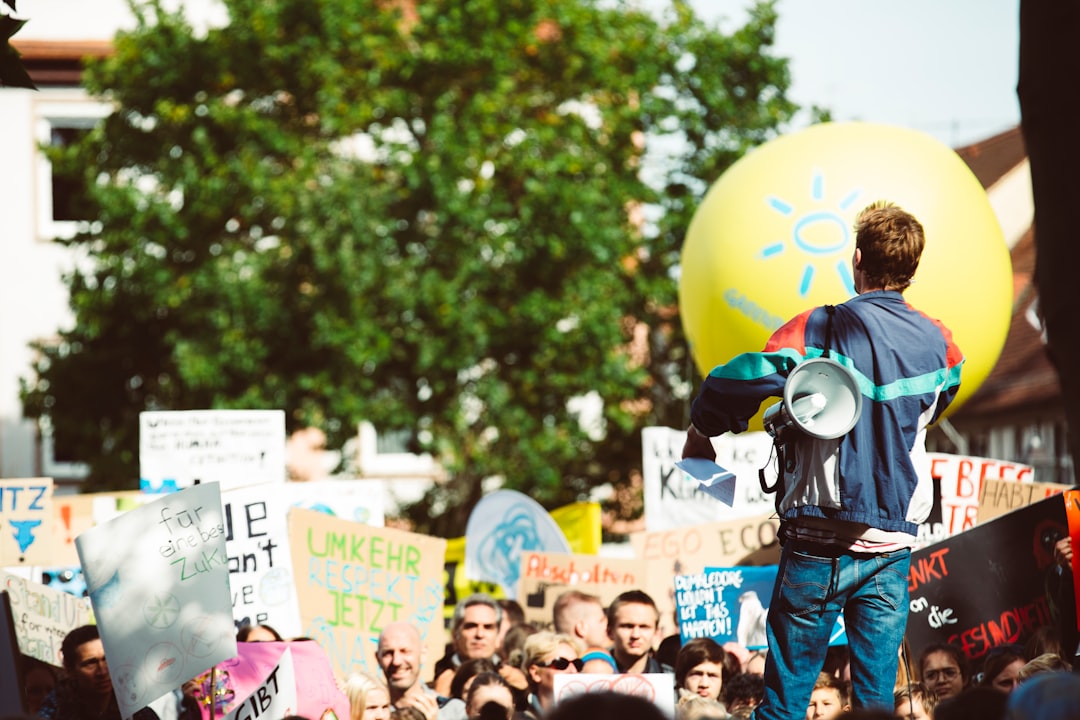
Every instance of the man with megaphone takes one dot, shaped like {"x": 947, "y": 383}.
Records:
{"x": 860, "y": 382}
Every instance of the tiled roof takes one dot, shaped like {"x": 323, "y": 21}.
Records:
{"x": 990, "y": 159}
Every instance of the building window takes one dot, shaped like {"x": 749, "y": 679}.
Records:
{"x": 61, "y": 196}
{"x": 68, "y": 189}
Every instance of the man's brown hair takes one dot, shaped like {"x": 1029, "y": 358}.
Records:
{"x": 891, "y": 243}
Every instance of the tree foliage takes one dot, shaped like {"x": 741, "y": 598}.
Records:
{"x": 427, "y": 215}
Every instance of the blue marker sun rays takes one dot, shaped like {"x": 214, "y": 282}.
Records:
{"x": 819, "y": 233}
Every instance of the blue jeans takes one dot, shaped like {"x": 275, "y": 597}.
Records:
{"x": 813, "y": 584}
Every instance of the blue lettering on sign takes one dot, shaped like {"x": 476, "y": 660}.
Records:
{"x": 744, "y": 305}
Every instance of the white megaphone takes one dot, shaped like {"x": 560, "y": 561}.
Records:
{"x": 821, "y": 398}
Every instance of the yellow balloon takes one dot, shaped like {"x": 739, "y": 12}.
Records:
{"x": 773, "y": 237}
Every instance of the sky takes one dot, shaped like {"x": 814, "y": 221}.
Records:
{"x": 944, "y": 67}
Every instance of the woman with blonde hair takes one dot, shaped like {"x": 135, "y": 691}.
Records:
{"x": 369, "y": 698}
{"x": 545, "y": 655}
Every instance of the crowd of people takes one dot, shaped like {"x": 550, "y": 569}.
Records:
{"x": 498, "y": 666}
{"x": 850, "y": 500}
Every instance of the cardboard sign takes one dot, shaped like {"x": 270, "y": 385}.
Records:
{"x": 43, "y": 616}
{"x": 1001, "y": 496}
{"x": 962, "y": 478}
{"x": 261, "y": 575}
{"x": 657, "y": 688}
{"x": 545, "y": 576}
{"x": 158, "y": 580}
{"x": 689, "y": 550}
{"x": 26, "y": 517}
{"x": 75, "y": 514}
{"x": 674, "y": 500}
{"x": 353, "y": 579}
{"x": 178, "y": 448}
{"x": 985, "y": 587}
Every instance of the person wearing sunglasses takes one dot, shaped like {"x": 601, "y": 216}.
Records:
{"x": 943, "y": 668}
{"x": 545, "y": 655}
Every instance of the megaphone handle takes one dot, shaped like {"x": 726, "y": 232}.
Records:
{"x": 778, "y": 446}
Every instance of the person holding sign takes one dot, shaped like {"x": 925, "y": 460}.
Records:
{"x": 850, "y": 507}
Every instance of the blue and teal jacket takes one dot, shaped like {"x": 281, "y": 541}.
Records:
{"x": 908, "y": 370}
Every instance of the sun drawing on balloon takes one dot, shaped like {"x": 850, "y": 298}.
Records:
{"x": 821, "y": 233}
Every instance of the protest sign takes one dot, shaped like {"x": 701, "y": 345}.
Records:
{"x": 158, "y": 580}
{"x": 1072, "y": 515}
{"x": 501, "y": 526}
{"x": 274, "y": 697}
{"x": 362, "y": 501}
{"x": 725, "y": 604}
{"x": 178, "y": 448}
{"x": 728, "y": 604}
{"x": 689, "y": 550}
{"x": 261, "y": 574}
{"x": 74, "y": 514}
{"x": 26, "y": 519}
{"x": 674, "y": 500}
{"x": 658, "y": 688}
{"x": 455, "y": 585}
{"x": 580, "y": 523}
{"x": 1001, "y": 496}
{"x": 985, "y": 586}
{"x": 43, "y": 616}
{"x": 354, "y": 579}
{"x": 240, "y": 677}
{"x": 962, "y": 478}
{"x": 545, "y": 576}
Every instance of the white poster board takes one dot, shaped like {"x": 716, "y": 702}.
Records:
{"x": 658, "y": 688}
{"x": 362, "y": 501}
{"x": 260, "y": 564}
{"x": 178, "y": 448}
{"x": 674, "y": 500}
{"x": 158, "y": 581}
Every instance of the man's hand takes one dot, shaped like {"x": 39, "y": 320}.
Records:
{"x": 698, "y": 445}
{"x": 1063, "y": 553}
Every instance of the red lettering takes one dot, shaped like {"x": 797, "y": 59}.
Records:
{"x": 1013, "y": 625}
{"x": 925, "y": 569}
{"x": 963, "y": 481}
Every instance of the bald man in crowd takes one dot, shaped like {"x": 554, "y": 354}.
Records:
{"x": 400, "y": 654}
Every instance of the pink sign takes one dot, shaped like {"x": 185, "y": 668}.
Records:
{"x": 238, "y": 678}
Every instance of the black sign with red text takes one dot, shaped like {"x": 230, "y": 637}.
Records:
{"x": 986, "y": 586}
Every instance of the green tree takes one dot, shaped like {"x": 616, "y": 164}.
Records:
{"x": 419, "y": 214}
